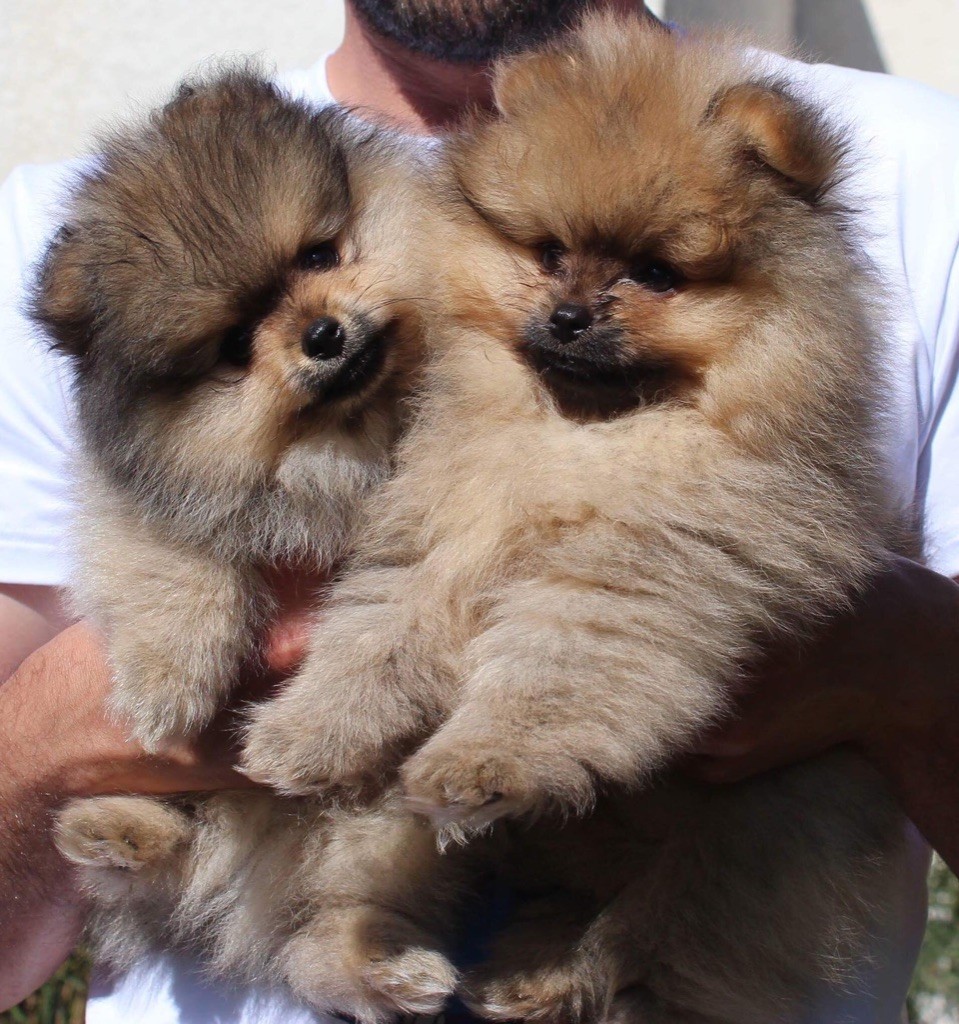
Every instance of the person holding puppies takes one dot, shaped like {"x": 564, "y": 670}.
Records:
{"x": 421, "y": 63}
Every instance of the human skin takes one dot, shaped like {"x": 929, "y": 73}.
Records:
{"x": 56, "y": 743}
{"x": 424, "y": 95}
{"x": 883, "y": 678}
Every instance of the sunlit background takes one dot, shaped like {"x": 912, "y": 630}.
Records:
{"x": 67, "y": 66}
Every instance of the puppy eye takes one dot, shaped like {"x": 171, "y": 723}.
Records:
{"x": 319, "y": 257}
{"x": 236, "y": 348}
{"x": 656, "y": 275}
{"x": 552, "y": 256}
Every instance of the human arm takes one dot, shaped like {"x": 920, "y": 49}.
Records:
{"x": 883, "y": 677}
{"x": 55, "y": 743}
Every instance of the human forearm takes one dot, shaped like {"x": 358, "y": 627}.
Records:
{"x": 39, "y": 910}
{"x": 884, "y": 678}
{"x": 926, "y": 783}
{"x": 914, "y": 738}
{"x": 56, "y": 743}
{"x": 40, "y": 916}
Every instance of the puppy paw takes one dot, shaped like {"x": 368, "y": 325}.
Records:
{"x": 557, "y": 994}
{"x": 414, "y": 981}
{"x": 552, "y": 996}
{"x": 158, "y": 709}
{"x": 470, "y": 780}
{"x": 302, "y": 757}
{"x": 123, "y": 834}
{"x": 369, "y": 964}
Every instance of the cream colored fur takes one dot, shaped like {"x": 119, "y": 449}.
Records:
{"x": 556, "y": 593}
{"x": 354, "y": 911}
{"x": 192, "y": 494}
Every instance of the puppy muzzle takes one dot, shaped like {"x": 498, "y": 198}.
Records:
{"x": 342, "y": 360}
{"x": 590, "y": 367}
{"x": 573, "y": 345}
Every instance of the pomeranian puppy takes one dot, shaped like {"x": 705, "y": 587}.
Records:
{"x": 649, "y": 444}
{"x": 234, "y": 292}
{"x": 239, "y": 284}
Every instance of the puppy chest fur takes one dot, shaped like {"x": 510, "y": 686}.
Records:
{"x": 235, "y": 288}
{"x": 648, "y": 445}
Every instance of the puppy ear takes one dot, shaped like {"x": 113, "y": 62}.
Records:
{"x": 63, "y": 296}
{"x": 519, "y": 81}
{"x": 783, "y": 134}
{"x": 231, "y": 86}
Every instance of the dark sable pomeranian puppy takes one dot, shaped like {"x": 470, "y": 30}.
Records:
{"x": 239, "y": 284}
{"x": 234, "y": 287}
{"x": 649, "y": 446}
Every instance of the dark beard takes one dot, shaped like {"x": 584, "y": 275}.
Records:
{"x": 469, "y": 31}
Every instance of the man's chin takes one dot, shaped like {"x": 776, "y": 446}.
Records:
{"x": 469, "y": 31}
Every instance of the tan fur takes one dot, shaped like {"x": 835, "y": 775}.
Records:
{"x": 188, "y": 230}
{"x": 354, "y": 910}
{"x": 205, "y": 474}
{"x": 587, "y": 536}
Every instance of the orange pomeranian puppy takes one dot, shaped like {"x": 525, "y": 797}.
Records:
{"x": 648, "y": 446}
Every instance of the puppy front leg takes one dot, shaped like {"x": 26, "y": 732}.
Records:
{"x": 590, "y": 673}
{"x": 377, "y": 678}
{"x": 178, "y": 623}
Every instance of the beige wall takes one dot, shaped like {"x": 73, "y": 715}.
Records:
{"x": 68, "y": 65}
{"x": 920, "y": 39}
{"x": 914, "y": 38}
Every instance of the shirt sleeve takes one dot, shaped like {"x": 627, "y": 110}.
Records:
{"x": 939, "y": 454}
{"x": 929, "y": 198}
{"x": 35, "y": 407}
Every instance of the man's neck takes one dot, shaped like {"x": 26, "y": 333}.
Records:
{"x": 423, "y": 95}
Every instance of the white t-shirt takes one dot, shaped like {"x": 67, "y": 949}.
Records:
{"x": 907, "y": 181}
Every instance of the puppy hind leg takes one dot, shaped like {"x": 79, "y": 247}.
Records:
{"x": 382, "y": 903}
{"x": 545, "y": 967}
{"x": 126, "y": 847}
{"x": 369, "y": 963}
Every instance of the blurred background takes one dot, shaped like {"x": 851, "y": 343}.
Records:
{"x": 68, "y": 66}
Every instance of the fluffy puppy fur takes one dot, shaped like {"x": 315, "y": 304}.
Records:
{"x": 239, "y": 284}
{"x": 233, "y": 284}
{"x": 352, "y": 909}
{"x": 649, "y": 445}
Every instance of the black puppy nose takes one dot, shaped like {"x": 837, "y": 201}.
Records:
{"x": 324, "y": 338}
{"x": 569, "y": 321}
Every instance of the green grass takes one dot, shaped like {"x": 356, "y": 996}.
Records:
{"x": 61, "y": 1001}
{"x": 933, "y": 999}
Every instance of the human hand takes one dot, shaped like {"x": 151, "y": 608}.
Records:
{"x": 882, "y": 677}
{"x": 62, "y": 742}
